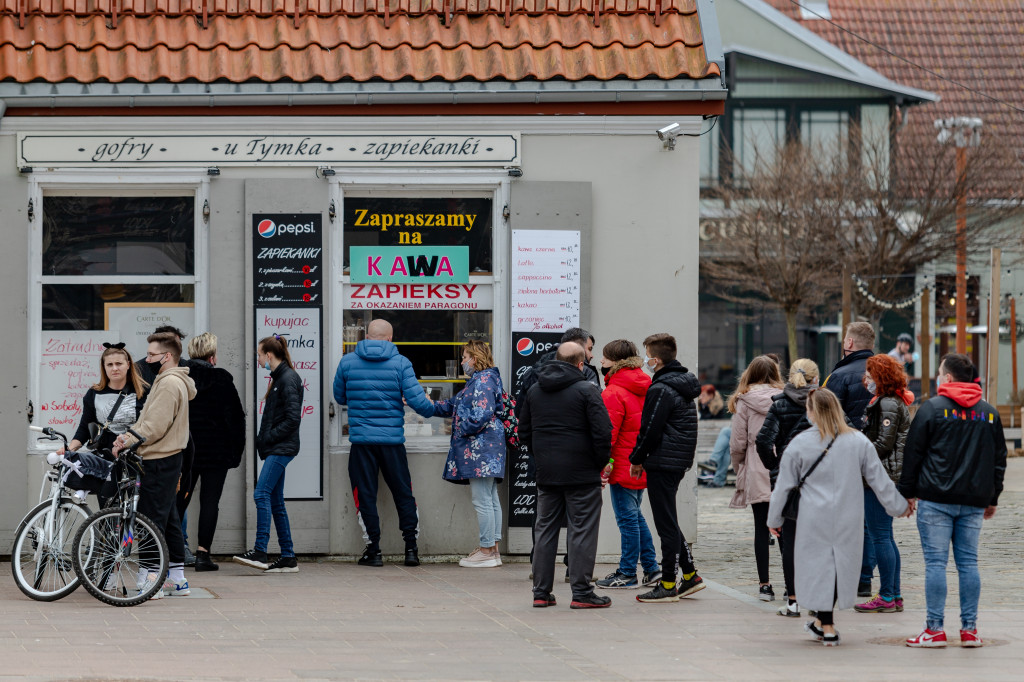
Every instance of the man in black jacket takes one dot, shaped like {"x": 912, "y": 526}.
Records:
{"x": 564, "y": 424}
{"x": 847, "y": 382}
{"x": 665, "y": 449}
{"x": 953, "y": 463}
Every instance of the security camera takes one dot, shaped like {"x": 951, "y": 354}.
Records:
{"x": 668, "y": 135}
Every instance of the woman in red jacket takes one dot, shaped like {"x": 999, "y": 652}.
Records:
{"x": 626, "y": 386}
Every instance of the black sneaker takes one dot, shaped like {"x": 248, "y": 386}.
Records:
{"x": 864, "y": 590}
{"x": 253, "y": 559}
{"x": 543, "y": 602}
{"x": 790, "y": 610}
{"x": 412, "y": 556}
{"x": 372, "y": 556}
{"x": 816, "y": 632}
{"x": 652, "y": 579}
{"x": 285, "y": 564}
{"x": 658, "y": 594}
{"x": 618, "y": 581}
{"x": 688, "y": 587}
{"x": 590, "y": 601}
{"x": 766, "y": 593}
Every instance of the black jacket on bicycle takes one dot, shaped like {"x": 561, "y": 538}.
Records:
{"x": 282, "y": 414}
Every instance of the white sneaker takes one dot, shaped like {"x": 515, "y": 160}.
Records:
{"x": 146, "y": 584}
{"x": 173, "y": 588}
{"x": 479, "y": 559}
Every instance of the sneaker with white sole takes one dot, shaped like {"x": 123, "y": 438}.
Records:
{"x": 618, "y": 581}
{"x": 478, "y": 559}
{"x": 175, "y": 588}
{"x": 790, "y": 610}
{"x": 253, "y": 558}
{"x": 969, "y": 639}
{"x": 147, "y": 584}
{"x": 285, "y": 564}
{"x": 651, "y": 579}
{"x": 928, "y": 639}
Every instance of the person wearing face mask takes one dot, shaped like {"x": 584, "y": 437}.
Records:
{"x": 887, "y": 421}
{"x": 164, "y": 424}
{"x": 477, "y": 453}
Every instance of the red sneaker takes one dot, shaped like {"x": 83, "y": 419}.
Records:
{"x": 928, "y": 639}
{"x": 969, "y": 639}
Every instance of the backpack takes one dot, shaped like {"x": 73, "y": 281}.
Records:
{"x": 506, "y": 414}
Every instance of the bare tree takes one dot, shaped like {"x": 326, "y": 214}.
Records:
{"x": 778, "y": 236}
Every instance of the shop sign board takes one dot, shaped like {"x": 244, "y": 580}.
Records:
{"x": 71, "y": 365}
{"x": 409, "y": 264}
{"x": 287, "y": 294}
{"x": 92, "y": 149}
{"x": 419, "y": 296}
{"x": 526, "y": 349}
{"x": 134, "y": 322}
{"x": 545, "y": 280}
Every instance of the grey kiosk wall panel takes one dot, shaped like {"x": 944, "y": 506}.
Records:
{"x": 310, "y": 520}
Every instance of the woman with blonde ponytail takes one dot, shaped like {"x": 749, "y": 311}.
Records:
{"x": 785, "y": 419}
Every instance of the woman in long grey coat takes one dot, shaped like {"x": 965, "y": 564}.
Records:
{"x": 830, "y": 534}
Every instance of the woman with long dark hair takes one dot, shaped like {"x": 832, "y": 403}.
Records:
{"x": 886, "y": 423}
{"x": 277, "y": 443}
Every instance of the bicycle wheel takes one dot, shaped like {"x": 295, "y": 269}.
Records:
{"x": 41, "y": 557}
{"x": 118, "y": 565}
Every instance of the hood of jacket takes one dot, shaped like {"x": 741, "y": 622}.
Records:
{"x": 797, "y": 395}
{"x": 556, "y": 375}
{"x": 376, "y": 350}
{"x": 759, "y": 398}
{"x": 202, "y": 373}
{"x": 183, "y": 373}
{"x": 906, "y": 396}
{"x": 628, "y": 375}
{"x": 962, "y": 393}
{"x": 854, "y": 357}
{"x": 675, "y": 375}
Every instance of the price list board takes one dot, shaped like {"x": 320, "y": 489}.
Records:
{"x": 288, "y": 299}
{"x": 545, "y": 280}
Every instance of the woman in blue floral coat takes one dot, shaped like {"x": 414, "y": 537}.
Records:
{"x": 477, "y": 453}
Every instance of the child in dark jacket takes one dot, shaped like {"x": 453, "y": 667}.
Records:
{"x": 665, "y": 449}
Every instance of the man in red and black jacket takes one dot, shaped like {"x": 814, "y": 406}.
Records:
{"x": 953, "y": 463}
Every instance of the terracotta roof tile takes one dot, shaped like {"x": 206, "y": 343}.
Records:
{"x": 979, "y": 43}
{"x": 165, "y": 40}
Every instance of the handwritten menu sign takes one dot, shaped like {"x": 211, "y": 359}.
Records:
{"x": 71, "y": 365}
{"x": 287, "y": 293}
{"x": 288, "y": 259}
{"x": 527, "y": 348}
{"x": 545, "y": 280}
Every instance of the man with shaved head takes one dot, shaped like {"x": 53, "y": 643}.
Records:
{"x": 373, "y": 381}
{"x": 565, "y": 426}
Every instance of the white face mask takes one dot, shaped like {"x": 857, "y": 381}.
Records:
{"x": 871, "y": 386}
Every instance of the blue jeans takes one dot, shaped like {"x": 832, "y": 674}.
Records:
{"x": 488, "y": 509}
{"x": 720, "y": 456}
{"x": 637, "y": 543}
{"x": 939, "y": 524}
{"x": 879, "y": 525}
{"x": 269, "y": 498}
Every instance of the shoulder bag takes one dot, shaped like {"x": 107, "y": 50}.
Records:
{"x": 792, "y": 506}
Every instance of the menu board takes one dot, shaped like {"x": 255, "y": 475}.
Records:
{"x": 545, "y": 280}
{"x": 527, "y": 348}
{"x": 71, "y": 365}
{"x": 287, "y": 294}
{"x": 134, "y": 322}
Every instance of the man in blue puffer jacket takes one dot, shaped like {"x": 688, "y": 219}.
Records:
{"x": 372, "y": 381}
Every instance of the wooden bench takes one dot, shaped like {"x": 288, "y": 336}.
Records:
{"x": 1009, "y": 415}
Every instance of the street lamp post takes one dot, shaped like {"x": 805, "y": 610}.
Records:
{"x": 964, "y": 132}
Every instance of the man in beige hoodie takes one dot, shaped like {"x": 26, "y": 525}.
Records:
{"x": 164, "y": 425}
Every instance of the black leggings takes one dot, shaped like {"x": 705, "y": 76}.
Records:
{"x": 826, "y": 617}
{"x": 209, "y": 502}
{"x": 787, "y": 544}
{"x": 761, "y": 535}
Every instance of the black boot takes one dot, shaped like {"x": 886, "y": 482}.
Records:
{"x": 412, "y": 555}
{"x": 204, "y": 562}
{"x": 371, "y": 556}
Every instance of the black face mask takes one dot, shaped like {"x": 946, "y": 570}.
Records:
{"x": 604, "y": 371}
{"x": 154, "y": 366}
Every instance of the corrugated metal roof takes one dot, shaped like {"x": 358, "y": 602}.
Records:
{"x": 335, "y": 40}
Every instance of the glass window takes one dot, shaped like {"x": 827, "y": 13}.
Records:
{"x": 451, "y": 221}
{"x": 757, "y": 135}
{"x": 828, "y": 131}
{"x": 84, "y": 306}
{"x": 709, "y": 145}
{"x": 105, "y": 235}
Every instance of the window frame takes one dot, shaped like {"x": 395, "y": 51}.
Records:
{"x": 86, "y": 182}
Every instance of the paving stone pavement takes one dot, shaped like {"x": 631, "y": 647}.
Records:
{"x": 438, "y": 621}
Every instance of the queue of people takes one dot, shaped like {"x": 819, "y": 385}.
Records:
{"x": 849, "y": 452}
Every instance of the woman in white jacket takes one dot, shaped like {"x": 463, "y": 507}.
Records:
{"x": 830, "y": 534}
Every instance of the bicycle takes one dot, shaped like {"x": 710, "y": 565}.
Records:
{"x": 120, "y": 555}
{"x": 41, "y": 556}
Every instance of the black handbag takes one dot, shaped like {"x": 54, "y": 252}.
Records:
{"x": 792, "y": 506}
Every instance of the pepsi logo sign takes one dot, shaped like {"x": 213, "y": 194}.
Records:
{"x": 267, "y": 228}
{"x": 524, "y": 346}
